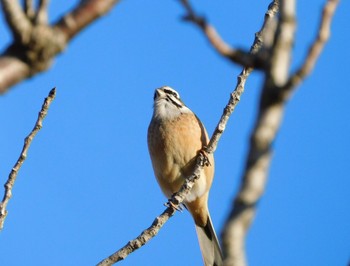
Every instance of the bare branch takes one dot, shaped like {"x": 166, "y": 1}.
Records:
{"x": 142, "y": 239}
{"x": 238, "y": 56}
{"x": 259, "y": 156}
{"x": 41, "y": 13}
{"x": 27, "y": 141}
{"x": 159, "y": 221}
{"x": 282, "y": 48}
{"x": 316, "y": 47}
{"x": 12, "y": 71}
{"x": 28, "y": 8}
{"x": 17, "y": 20}
{"x": 233, "y": 243}
{"x": 268, "y": 122}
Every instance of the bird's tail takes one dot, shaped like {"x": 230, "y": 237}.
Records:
{"x": 209, "y": 244}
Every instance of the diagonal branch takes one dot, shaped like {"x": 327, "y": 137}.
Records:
{"x": 178, "y": 197}
{"x": 28, "y": 140}
{"x": 316, "y": 47}
{"x": 238, "y": 56}
{"x": 159, "y": 221}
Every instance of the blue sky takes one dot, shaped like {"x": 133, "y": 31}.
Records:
{"x": 87, "y": 186}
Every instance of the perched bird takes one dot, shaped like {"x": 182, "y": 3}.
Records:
{"x": 175, "y": 136}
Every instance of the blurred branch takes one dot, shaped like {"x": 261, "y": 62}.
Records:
{"x": 28, "y": 8}
{"x": 259, "y": 156}
{"x": 35, "y": 43}
{"x": 17, "y": 20}
{"x": 41, "y": 14}
{"x": 238, "y": 56}
{"x": 271, "y": 110}
{"x": 27, "y": 141}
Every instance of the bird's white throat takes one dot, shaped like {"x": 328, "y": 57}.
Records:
{"x": 164, "y": 109}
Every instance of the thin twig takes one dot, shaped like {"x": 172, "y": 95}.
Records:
{"x": 178, "y": 197}
{"x": 315, "y": 48}
{"x": 238, "y": 56}
{"x": 27, "y": 141}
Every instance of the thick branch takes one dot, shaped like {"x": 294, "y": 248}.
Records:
{"x": 258, "y": 160}
{"x": 268, "y": 122}
{"x": 36, "y": 44}
{"x": 238, "y": 56}
{"x": 233, "y": 242}
{"x": 27, "y": 141}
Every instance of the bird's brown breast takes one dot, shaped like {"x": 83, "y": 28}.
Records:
{"x": 173, "y": 146}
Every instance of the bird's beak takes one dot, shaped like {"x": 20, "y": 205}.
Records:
{"x": 159, "y": 93}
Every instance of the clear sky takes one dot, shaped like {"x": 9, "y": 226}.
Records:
{"x": 87, "y": 187}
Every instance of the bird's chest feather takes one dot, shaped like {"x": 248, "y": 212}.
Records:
{"x": 173, "y": 148}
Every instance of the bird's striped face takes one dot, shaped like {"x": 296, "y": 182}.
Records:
{"x": 167, "y": 103}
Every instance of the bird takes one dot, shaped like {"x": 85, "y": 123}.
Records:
{"x": 175, "y": 136}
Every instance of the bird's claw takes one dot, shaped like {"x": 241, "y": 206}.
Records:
{"x": 206, "y": 161}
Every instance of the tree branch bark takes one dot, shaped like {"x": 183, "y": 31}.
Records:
{"x": 27, "y": 141}
{"x": 271, "y": 110}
